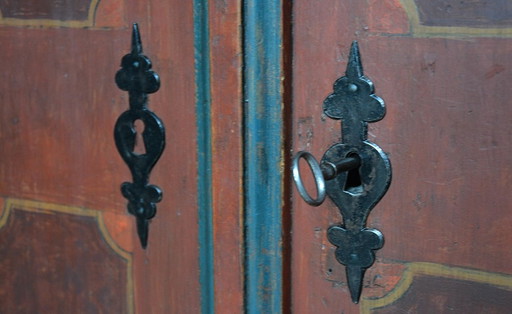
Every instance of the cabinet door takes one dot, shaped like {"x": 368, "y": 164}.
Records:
{"x": 67, "y": 243}
{"x": 443, "y": 69}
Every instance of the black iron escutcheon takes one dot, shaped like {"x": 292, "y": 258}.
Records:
{"x": 137, "y": 78}
{"x": 355, "y": 173}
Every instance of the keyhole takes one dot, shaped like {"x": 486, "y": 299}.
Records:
{"x": 139, "y": 147}
{"x": 353, "y": 184}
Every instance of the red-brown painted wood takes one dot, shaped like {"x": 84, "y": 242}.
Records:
{"x": 167, "y": 272}
{"x": 226, "y": 118}
{"x": 447, "y": 132}
{"x": 59, "y": 106}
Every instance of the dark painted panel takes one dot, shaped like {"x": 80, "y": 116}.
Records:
{"x": 46, "y": 9}
{"x": 445, "y": 295}
{"x": 469, "y": 13}
{"x": 59, "y": 263}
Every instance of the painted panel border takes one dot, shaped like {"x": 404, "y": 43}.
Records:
{"x": 47, "y": 208}
{"x": 89, "y": 22}
{"x": 262, "y": 155}
{"x": 418, "y": 30}
{"x": 414, "y": 269}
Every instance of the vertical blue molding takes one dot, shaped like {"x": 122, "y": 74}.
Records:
{"x": 263, "y": 155}
{"x": 204, "y": 161}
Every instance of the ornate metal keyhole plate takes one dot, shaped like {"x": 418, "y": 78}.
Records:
{"x": 355, "y": 173}
{"x": 137, "y": 78}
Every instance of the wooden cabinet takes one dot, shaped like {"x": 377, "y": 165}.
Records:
{"x": 242, "y": 87}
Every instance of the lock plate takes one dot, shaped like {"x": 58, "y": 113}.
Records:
{"x": 137, "y": 78}
{"x": 355, "y": 174}
{"x": 357, "y": 191}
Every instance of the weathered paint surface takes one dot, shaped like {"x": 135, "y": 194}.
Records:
{"x": 447, "y": 129}
{"x": 51, "y": 254}
{"x": 227, "y": 159}
{"x": 59, "y": 106}
{"x": 220, "y": 194}
{"x": 263, "y": 155}
{"x": 204, "y": 159}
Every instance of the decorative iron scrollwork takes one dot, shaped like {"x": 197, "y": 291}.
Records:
{"x": 355, "y": 173}
{"x": 137, "y": 78}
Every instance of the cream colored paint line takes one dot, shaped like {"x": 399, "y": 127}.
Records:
{"x": 418, "y": 30}
{"x": 53, "y": 209}
{"x": 45, "y": 23}
{"x": 503, "y": 281}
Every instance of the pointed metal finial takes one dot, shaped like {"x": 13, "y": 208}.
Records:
{"x": 136, "y": 41}
{"x": 353, "y": 101}
{"x": 354, "y": 65}
{"x": 355, "y": 281}
{"x": 143, "y": 231}
{"x": 135, "y": 75}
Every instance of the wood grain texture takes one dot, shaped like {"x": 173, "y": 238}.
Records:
{"x": 447, "y": 130}
{"x": 167, "y": 272}
{"x": 60, "y": 104}
{"x": 225, "y": 18}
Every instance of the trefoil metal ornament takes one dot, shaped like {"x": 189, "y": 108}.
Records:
{"x": 354, "y": 173}
{"x": 137, "y": 78}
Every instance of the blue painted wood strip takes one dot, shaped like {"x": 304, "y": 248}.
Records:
{"x": 263, "y": 155}
{"x": 204, "y": 175}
